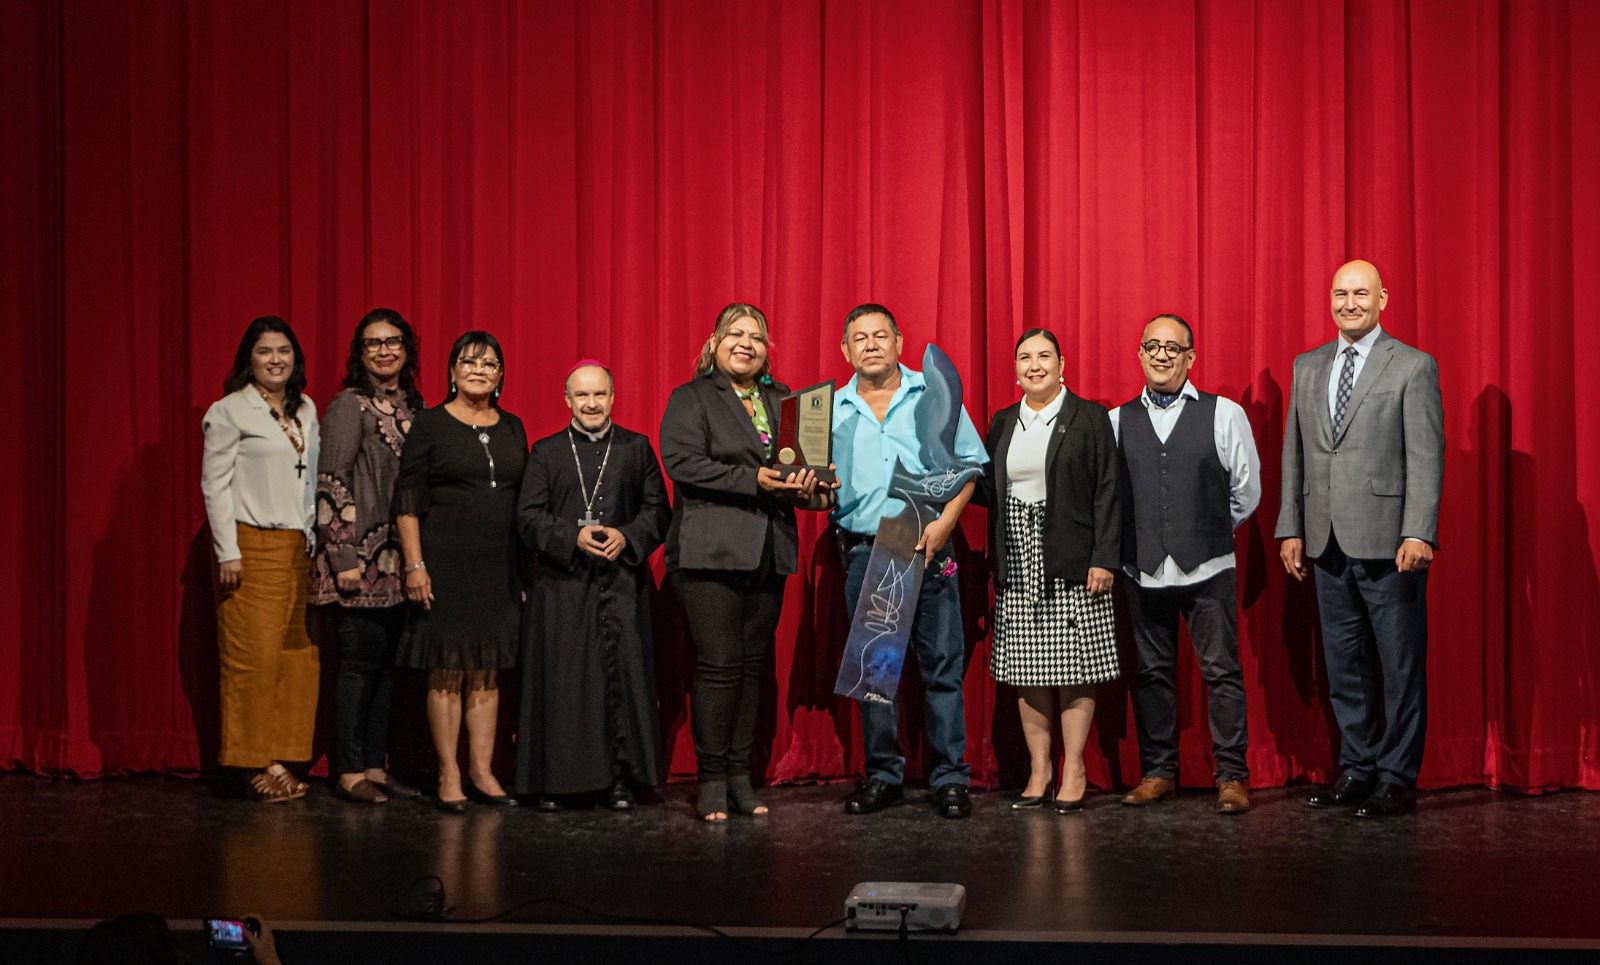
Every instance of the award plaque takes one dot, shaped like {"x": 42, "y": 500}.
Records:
{"x": 805, "y": 432}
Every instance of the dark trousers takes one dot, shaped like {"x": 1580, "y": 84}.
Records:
{"x": 368, "y": 640}
{"x": 1211, "y": 610}
{"x": 936, "y": 639}
{"x": 1375, "y": 618}
{"x": 733, "y": 618}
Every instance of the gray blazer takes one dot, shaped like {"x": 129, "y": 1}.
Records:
{"x": 1377, "y": 482}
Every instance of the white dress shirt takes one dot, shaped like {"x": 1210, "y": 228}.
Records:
{"x": 1030, "y": 444}
{"x": 1236, "y": 448}
{"x": 1363, "y": 349}
{"x": 248, "y": 472}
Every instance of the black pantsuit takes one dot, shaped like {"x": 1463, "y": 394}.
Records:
{"x": 729, "y": 551}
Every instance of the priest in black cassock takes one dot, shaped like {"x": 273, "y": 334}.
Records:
{"x": 593, "y": 507}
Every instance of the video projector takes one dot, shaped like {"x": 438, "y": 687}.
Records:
{"x": 925, "y": 905}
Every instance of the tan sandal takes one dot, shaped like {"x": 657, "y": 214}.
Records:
{"x": 266, "y": 788}
{"x": 291, "y": 785}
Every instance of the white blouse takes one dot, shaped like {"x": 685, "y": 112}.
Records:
{"x": 251, "y": 473}
{"x": 1030, "y": 443}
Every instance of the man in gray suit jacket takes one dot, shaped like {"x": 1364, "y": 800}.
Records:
{"x": 1363, "y": 464}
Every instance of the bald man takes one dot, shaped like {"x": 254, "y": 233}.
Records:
{"x": 1363, "y": 465}
{"x": 592, "y": 509}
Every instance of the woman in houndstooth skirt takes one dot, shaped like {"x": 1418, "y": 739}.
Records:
{"x": 1055, "y": 539}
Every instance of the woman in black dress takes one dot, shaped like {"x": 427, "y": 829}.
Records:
{"x": 456, "y": 500}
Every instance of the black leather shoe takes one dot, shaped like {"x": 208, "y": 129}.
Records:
{"x": 451, "y": 807}
{"x": 620, "y": 797}
{"x": 951, "y": 801}
{"x": 1388, "y": 800}
{"x": 874, "y": 796}
{"x": 1346, "y": 792}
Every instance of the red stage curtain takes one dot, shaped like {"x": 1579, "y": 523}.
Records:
{"x": 600, "y": 178}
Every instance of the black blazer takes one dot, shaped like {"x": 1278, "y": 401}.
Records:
{"x": 1083, "y": 508}
{"x": 721, "y": 518}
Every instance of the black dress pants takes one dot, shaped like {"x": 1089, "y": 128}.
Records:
{"x": 1212, "y": 612}
{"x": 368, "y": 641}
{"x": 733, "y": 617}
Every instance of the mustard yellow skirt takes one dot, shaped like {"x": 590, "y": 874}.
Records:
{"x": 269, "y": 665}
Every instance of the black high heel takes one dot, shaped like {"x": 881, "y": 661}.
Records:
{"x": 1028, "y": 802}
{"x": 1067, "y": 807}
{"x": 493, "y": 800}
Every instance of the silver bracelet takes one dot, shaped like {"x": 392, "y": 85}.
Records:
{"x": 418, "y": 565}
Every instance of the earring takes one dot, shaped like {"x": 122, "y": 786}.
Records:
{"x": 497, "y": 393}
{"x": 452, "y": 385}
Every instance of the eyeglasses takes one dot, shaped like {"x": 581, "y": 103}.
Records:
{"x": 375, "y": 344}
{"x": 487, "y": 365}
{"x": 1173, "y": 349}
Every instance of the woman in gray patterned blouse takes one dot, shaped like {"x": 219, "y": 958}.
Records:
{"x": 358, "y": 565}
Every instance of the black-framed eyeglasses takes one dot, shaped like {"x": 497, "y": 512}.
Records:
{"x": 392, "y": 342}
{"x": 1173, "y": 349}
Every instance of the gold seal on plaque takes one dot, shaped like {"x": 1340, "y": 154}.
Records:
{"x": 786, "y": 456}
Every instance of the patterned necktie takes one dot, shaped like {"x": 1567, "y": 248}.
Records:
{"x": 1347, "y": 379}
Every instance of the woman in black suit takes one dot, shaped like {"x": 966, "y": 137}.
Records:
{"x": 1055, "y": 519}
{"x": 732, "y": 543}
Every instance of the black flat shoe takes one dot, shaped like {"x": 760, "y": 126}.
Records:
{"x": 1346, "y": 792}
{"x": 493, "y": 800}
{"x": 874, "y": 796}
{"x": 620, "y": 797}
{"x": 952, "y": 801}
{"x": 1387, "y": 801}
{"x": 451, "y": 807}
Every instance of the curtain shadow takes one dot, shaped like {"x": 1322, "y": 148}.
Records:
{"x": 674, "y": 655}
{"x": 1546, "y": 710}
{"x": 1283, "y": 626}
{"x": 127, "y": 686}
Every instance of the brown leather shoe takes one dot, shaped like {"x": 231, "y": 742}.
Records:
{"x": 1233, "y": 797}
{"x": 1151, "y": 790}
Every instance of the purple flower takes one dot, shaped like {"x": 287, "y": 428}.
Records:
{"x": 949, "y": 567}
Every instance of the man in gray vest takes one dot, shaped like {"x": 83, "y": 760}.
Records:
{"x": 1363, "y": 467}
{"x": 1190, "y": 476}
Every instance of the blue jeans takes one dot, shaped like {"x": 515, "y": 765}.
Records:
{"x": 936, "y": 640}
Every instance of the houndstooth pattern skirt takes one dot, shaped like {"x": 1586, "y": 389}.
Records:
{"x": 1047, "y": 633}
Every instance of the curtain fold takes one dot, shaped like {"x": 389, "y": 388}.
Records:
{"x": 600, "y": 178}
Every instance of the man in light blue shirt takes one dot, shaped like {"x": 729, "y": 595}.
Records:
{"x": 874, "y": 424}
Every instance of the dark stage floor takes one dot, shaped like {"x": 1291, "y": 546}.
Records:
{"x": 1472, "y": 868}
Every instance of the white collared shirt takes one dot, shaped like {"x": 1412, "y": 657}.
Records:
{"x": 248, "y": 472}
{"x": 1030, "y": 444}
{"x": 1236, "y": 448}
{"x": 1363, "y": 349}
